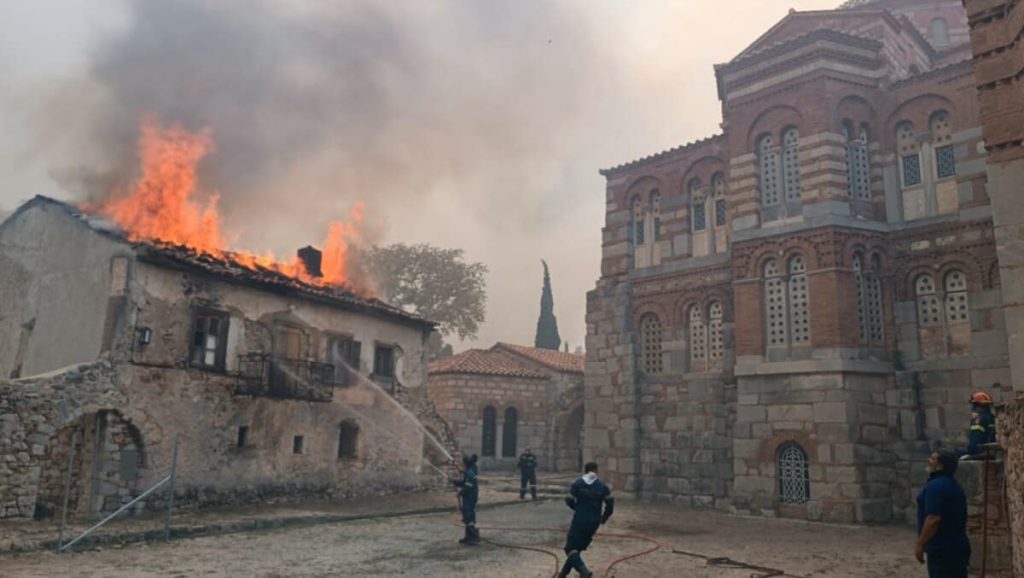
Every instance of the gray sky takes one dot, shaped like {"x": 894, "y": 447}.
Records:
{"x": 478, "y": 125}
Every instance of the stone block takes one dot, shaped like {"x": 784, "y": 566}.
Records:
{"x": 829, "y": 412}
{"x": 751, "y": 413}
{"x": 800, "y": 413}
{"x": 746, "y": 449}
{"x": 841, "y": 474}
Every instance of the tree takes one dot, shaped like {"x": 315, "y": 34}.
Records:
{"x": 547, "y": 326}
{"x": 432, "y": 282}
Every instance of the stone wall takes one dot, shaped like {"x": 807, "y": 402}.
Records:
{"x": 1010, "y": 419}
{"x": 987, "y": 523}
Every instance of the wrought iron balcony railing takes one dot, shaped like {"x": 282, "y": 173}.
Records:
{"x": 264, "y": 375}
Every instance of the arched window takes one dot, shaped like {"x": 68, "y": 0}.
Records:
{"x": 489, "y": 435}
{"x": 799, "y": 301}
{"x": 939, "y": 32}
{"x": 942, "y": 142}
{"x": 794, "y": 475}
{"x": 860, "y": 164}
{"x": 956, "y": 298}
{"x": 716, "y": 345}
{"x": 508, "y": 433}
{"x": 638, "y": 221}
{"x": 876, "y": 324}
{"x": 650, "y": 344}
{"x": 861, "y": 289}
{"x": 910, "y": 155}
{"x": 775, "y": 305}
{"x": 768, "y": 171}
{"x": 718, "y": 193}
{"x": 791, "y": 164}
{"x": 697, "y": 200}
{"x": 698, "y": 338}
{"x": 929, "y": 308}
{"x": 655, "y": 215}
{"x": 348, "y": 440}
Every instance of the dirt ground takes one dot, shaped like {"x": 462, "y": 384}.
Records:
{"x": 426, "y": 546}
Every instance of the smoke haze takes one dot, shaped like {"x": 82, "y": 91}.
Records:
{"x": 478, "y": 125}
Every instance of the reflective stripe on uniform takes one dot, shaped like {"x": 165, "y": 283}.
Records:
{"x": 977, "y": 428}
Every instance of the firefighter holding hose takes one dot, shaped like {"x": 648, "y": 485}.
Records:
{"x": 586, "y": 498}
{"x": 469, "y": 493}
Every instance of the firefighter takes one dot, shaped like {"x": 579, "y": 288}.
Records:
{"x": 983, "y": 425}
{"x": 469, "y": 492}
{"x": 527, "y": 466}
{"x": 586, "y": 497}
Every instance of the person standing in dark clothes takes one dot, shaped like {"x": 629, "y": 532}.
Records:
{"x": 983, "y": 425}
{"x": 942, "y": 520}
{"x": 586, "y": 498}
{"x": 469, "y": 493}
{"x": 527, "y": 466}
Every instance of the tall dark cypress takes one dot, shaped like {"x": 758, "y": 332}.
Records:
{"x": 547, "y": 325}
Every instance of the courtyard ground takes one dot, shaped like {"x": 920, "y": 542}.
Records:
{"x": 425, "y": 545}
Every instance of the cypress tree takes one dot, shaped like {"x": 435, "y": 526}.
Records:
{"x": 547, "y": 326}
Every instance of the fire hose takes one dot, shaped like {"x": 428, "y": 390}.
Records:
{"x": 608, "y": 570}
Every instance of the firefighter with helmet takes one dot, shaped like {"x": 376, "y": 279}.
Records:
{"x": 983, "y": 425}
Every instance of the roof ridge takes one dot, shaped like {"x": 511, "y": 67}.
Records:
{"x": 662, "y": 154}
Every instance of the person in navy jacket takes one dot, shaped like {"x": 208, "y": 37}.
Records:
{"x": 469, "y": 492}
{"x": 942, "y": 520}
{"x": 586, "y": 497}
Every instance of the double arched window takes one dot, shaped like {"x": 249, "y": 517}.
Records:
{"x": 951, "y": 308}
{"x": 927, "y": 161}
{"x": 787, "y": 303}
{"x": 650, "y": 344}
{"x": 707, "y": 345}
{"x": 779, "y": 172}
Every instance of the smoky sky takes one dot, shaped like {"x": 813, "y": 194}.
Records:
{"x": 471, "y": 124}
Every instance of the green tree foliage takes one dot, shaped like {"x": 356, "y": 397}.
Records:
{"x": 547, "y": 326}
{"x": 432, "y": 282}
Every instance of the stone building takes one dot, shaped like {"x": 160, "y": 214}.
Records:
{"x": 273, "y": 387}
{"x": 501, "y": 400}
{"x": 793, "y": 312}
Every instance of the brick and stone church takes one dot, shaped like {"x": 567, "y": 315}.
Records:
{"x": 793, "y": 312}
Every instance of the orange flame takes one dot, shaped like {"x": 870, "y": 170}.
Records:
{"x": 162, "y": 207}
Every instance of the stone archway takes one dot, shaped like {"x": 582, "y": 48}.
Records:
{"x": 569, "y": 449}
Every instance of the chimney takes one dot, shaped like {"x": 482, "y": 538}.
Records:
{"x": 311, "y": 258}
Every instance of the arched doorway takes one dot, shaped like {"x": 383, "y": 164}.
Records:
{"x": 570, "y": 442}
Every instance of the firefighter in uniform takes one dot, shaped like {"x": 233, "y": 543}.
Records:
{"x": 983, "y": 425}
{"x": 469, "y": 493}
{"x": 527, "y": 466}
{"x": 586, "y": 497}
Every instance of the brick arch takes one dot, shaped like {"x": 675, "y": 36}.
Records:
{"x": 868, "y": 247}
{"x": 646, "y": 307}
{"x": 919, "y": 110}
{"x": 682, "y": 309}
{"x": 770, "y": 446}
{"x": 768, "y": 251}
{"x": 977, "y": 276}
{"x": 642, "y": 187}
{"x": 857, "y": 110}
{"x": 811, "y": 260}
{"x": 774, "y": 121}
{"x": 703, "y": 168}
{"x": 905, "y": 290}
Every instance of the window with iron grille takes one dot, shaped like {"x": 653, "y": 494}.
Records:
{"x": 876, "y": 324}
{"x": 638, "y": 222}
{"x": 655, "y": 215}
{"x": 794, "y": 474}
{"x": 698, "y": 337}
{"x": 716, "y": 344}
{"x": 489, "y": 435}
{"x": 911, "y": 170}
{"x": 945, "y": 162}
{"x": 509, "y": 431}
{"x": 650, "y": 344}
{"x": 791, "y": 164}
{"x": 860, "y": 184}
{"x": 768, "y": 171}
{"x": 209, "y": 340}
{"x": 957, "y": 310}
{"x": 929, "y": 308}
{"x": 775, "y": 305}
{"x": 799, "y": 301}
{"x": 699, "y": 217}
{"x": 860, "y": 287}
{"x": 720, "y": 214}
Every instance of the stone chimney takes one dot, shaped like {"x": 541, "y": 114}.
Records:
{"x": 311, "y": 258}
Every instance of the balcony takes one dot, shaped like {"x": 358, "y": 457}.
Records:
{"x": 263, "y": 375}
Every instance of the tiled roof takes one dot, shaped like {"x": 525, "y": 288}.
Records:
{"x": 177, "y": 256}
{"x": 661, "y": 155}
{"x": 556, "y": 360}
{"x": 484, "y": 362}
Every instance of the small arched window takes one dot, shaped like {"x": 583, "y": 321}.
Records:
{"x": 876, "y": 324}
{"x": 698, "y": 202}
{"x": 716, "y": 344}
{"x": 718, "y": 193}
{"x": 638, "y": 221}
{"x": 942, "y": 141}
{"x": 939, "y": 32}
{"x": 929, "y": 308}
{"x": 775, "y": 305}
{"x": 509, "y": 431}
{"x": 860, "y": 288}
{"x": 489, "y": 435}
{"x": 858, "y": 165}
{"x": 957, "y": 310}
{"x": 655, "y": 215}
{"x": 698, "y": 337}
{"x": 650, "y": 344}
{"x": 768, "y": 171}
{"x": 348, "y": 440}
{"x": 799, "y": 301}
{"x": 794, "y": 474}
{"x": 791, "y": 164}
{"x": 910, "y": 155}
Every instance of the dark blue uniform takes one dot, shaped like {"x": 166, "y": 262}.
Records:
{"x": 586, "y": 499}
{"x": 983, "y": 430}
{"x": 527, "y": 473}
{"x": 949, "y": 550}
{"x": 469, "y": 490}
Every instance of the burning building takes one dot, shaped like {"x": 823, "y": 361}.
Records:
{"x": 112, "y": 347}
